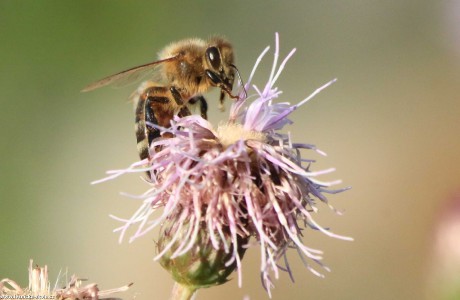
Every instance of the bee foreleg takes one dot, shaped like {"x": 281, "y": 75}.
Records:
{"x": 203, "y": 105}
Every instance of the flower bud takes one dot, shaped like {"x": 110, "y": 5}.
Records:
{"x": 202, "y": 265}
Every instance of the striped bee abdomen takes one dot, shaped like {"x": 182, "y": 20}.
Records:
{"x": 156, "y": 105}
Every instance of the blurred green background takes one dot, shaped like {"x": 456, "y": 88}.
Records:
{"x": 390, "y": 126}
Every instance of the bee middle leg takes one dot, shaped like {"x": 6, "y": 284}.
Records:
{"x": 183, "y": 111}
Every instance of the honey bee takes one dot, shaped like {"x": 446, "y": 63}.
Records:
{"x": 185, "y": 70}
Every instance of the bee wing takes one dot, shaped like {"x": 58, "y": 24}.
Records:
{"x": 128, "y": 76}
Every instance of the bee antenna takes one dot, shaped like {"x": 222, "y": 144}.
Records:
{"x": 240, "y": 80}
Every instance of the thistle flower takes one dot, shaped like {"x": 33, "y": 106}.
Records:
{"x": 40, "y": 288}
{"x": 221, "y": 187}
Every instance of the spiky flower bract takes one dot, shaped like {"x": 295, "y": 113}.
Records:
{"x": 245, "y": 179}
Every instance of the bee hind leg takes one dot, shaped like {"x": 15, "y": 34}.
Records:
{"x": 150, "y": 117}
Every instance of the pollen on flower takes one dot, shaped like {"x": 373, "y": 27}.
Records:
{"x": 221, "y": 189}
{"x": 230, "y": 133}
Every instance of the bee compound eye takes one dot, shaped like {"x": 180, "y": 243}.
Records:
{"x": 213, "y": 56}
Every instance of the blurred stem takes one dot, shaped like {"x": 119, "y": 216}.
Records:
{"x": 182, "y": 292}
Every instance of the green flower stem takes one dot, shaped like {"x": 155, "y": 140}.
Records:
{"x": 182, "y": 292}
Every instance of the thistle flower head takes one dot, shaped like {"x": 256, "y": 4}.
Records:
{"x": 244, "y": 179}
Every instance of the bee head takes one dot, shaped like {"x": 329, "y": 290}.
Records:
{"x": 219, "y": 68}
